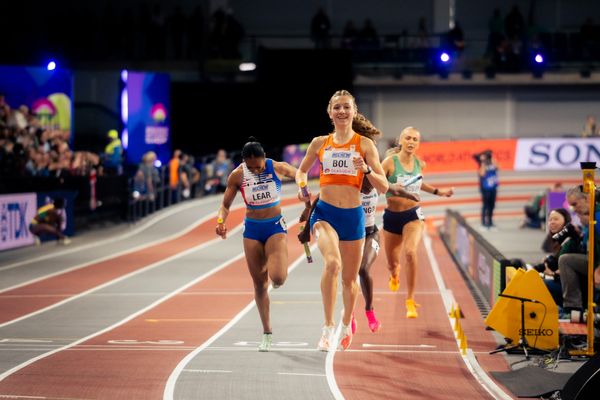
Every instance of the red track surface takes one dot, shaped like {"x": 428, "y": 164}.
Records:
{"x": 414, "y": 373}
{"x": 101, "y": 368}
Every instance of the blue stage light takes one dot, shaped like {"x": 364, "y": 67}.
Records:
{"x": 539, "y": 58}
{"x": 51, "y": 66}
{"x": 444, "y": 57}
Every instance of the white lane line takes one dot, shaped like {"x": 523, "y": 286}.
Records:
{"x": 126, "y": 319}
{"x": 470, "y": 361}
{"x": 113, "y": 255}
{"x": 120, "y": 278}
{"x": 152, "y": 221}
{"x": 331, "y": 382}
{"x": 170, "y": 386}
{"x": 299, "y": 374}
{"x": 208, "y": 371}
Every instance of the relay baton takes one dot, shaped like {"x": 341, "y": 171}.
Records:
{"x": 413, "y": 180}
{"x": 304, "y": 190}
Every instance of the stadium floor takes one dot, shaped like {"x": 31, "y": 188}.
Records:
{"x": 164, "y": 309}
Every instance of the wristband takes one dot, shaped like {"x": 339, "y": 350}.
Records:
{"x": 435, "y": 191}
{"x": 220, "y": 220}
{"x": 369, "y": 170}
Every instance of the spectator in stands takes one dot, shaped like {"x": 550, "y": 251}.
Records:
{"x": 174, "y": 170}
{"x": 49, "y": 221}
{"x": 191, "y": 173}
{"x": 590, "y": 129}
{"x": 488, "y": 186}
{"x": 514, "y": 23}
{"x": 367, "y": 37}
{"x": 349, "y": 35}
{"x": 219, "y": 169}
{"x": 573, "y": 268}
{"x": 566, "y": 242}
{"x": 422, "y": 38}
{"x": 146, "y": 179}
{"x": 456, "y": 39}
{"x": 319, "y": 29}
{"x": 113, "y": 154}
{"x": 496, "y": 32}
{"x": 535, "y": 210}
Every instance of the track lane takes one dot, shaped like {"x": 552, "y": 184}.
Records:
{"x": 407, "y": 358}
{"x": 27, "y": 300}
{"x": 179, "y": 319}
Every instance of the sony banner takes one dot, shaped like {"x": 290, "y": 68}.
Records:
{"x": 16, "y": 212}
{"x": 556, "y": 154}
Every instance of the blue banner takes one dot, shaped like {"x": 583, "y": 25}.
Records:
{"x": 147, "y": 102}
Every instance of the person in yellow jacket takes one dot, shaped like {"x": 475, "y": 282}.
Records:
{"x": 113, "y": 154}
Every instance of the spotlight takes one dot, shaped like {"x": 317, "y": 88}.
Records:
{"x": 445, "y": 57}
{"x": 248, "y": 66}
{"x": 51, "y": 66}
{"x": 539, "y": 58}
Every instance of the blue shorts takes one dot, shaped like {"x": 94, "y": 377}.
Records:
{"x": 349, "y": 223}
{"x": 263, "y": 229}
{"x": 394, "y": 221}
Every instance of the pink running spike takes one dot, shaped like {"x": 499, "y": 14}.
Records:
{"x": 374, "y": 323}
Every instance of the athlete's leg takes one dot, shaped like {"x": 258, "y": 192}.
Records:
{"x": 371, "y": 249}
{"x": 393, "y": 248}
{"x": 46, "y": 229}
{"x": 351, "y": 252}
{"x": 255, "y": 257}
{"x": 412, "y": 233}
{"x": 276, "y": 254}
{"x": 328, "y": 242}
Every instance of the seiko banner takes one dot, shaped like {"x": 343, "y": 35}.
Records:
{"x": 549, "y": 154}
{"x": 16, "y": 212}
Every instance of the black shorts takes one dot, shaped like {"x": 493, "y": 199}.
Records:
{"x": 394, "y": 221}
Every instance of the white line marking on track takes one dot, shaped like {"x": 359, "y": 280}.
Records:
{"x": 109, "y": 257}
{"x": 120, "y": 278}
{"x": 470, "y": 361}
{"x": 331, "y": 382}
{"x": 127, "y": 319}
{"x": 170, "y": 386}
{"x": 299, "y": 374}
{"x": 208, "y": 371}
{"x": 135, "y": 231}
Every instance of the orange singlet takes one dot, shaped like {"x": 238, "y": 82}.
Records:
{"x": 336, "y": 162}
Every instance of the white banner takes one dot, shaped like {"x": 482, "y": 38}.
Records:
{"x": 16, "y": 213}
{"x": 553, "y": 154}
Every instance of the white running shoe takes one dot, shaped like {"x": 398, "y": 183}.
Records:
{"x": 346, "y": 337}
{"x": 267, "y": 340}
{"x": 326, "y": 338}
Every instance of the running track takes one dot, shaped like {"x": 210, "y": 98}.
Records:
{"x": 175, "y": 319}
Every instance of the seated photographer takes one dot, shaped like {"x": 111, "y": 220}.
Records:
{"x": 573, "y": 268}
{"x": 563, "y": 238}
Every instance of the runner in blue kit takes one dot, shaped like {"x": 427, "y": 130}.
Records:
{"x": 403, "y": 219}
{"x": 265, "y": 234}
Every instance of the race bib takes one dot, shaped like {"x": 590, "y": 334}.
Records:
{"x": 262, "y": 193}
{"x": 339, "y": 162}
{"x": 283, "y": 224}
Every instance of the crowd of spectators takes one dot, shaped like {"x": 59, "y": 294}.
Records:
{"x": 27, "y": 148}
